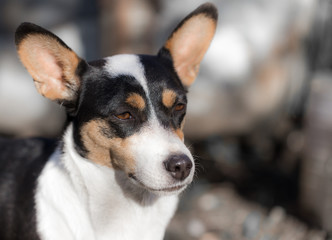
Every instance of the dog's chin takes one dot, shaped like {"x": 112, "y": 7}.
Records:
{"x": 174, "y": 189}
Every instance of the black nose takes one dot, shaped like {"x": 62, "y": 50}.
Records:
{"x": 179, "y": 166}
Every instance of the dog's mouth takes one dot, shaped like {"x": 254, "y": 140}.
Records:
{"x": 167, "y": 189}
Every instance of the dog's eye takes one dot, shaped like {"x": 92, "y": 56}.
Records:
{"x": 179, "y": 107}
{"x": 124, "y": 116}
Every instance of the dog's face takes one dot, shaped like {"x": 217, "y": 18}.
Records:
{"x": 127, "y": 111}
{"x": 132, "y": 121}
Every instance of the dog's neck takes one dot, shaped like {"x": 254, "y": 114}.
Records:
{"x": 106, "y": 197}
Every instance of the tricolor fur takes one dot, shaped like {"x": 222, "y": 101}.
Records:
{"x": 121, "y": 163}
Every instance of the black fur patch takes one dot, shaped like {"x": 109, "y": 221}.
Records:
{"x": 160, "y": 75}
{"x": 21, "y": 162}
{"x": 98, "y": 63}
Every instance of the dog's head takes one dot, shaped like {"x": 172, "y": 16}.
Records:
{"x": 127, "y": 111}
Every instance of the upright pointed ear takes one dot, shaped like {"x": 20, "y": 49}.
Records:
{"x": 190, "y": 40}
{"x": 50, "y": 62}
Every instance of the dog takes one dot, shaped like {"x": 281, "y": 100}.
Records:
{"x": 121, "y": 163}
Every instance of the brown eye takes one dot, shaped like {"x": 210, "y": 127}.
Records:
{"x": 124, "y": 116}
{"x": 179, "y": 107}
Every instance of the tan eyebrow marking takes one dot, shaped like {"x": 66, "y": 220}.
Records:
{"x": 136, "y": 101}
{"x": 168, "y": 98}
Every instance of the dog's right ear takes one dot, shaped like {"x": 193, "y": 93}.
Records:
{"x": 50, "y": 62}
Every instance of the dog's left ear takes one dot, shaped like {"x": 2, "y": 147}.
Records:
{"x": 190, "y": 40}
{"x": 50, "y": 62}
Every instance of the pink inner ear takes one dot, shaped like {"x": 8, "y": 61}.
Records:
{"x": 51, "y": 65}
{"x": 189, "y": 44}
{"x": 48, "y": 76}
{"x": 187, "y": 59}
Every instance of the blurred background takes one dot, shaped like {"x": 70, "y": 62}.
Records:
{"x": 259, "y": 116}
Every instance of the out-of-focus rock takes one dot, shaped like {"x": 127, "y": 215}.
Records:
{"x": 250, "y": 227}
{"x": 316, "y": 191}
{"x": 218, "y": 212}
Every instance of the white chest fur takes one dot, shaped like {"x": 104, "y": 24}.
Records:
{"x": 77, "y": 199}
